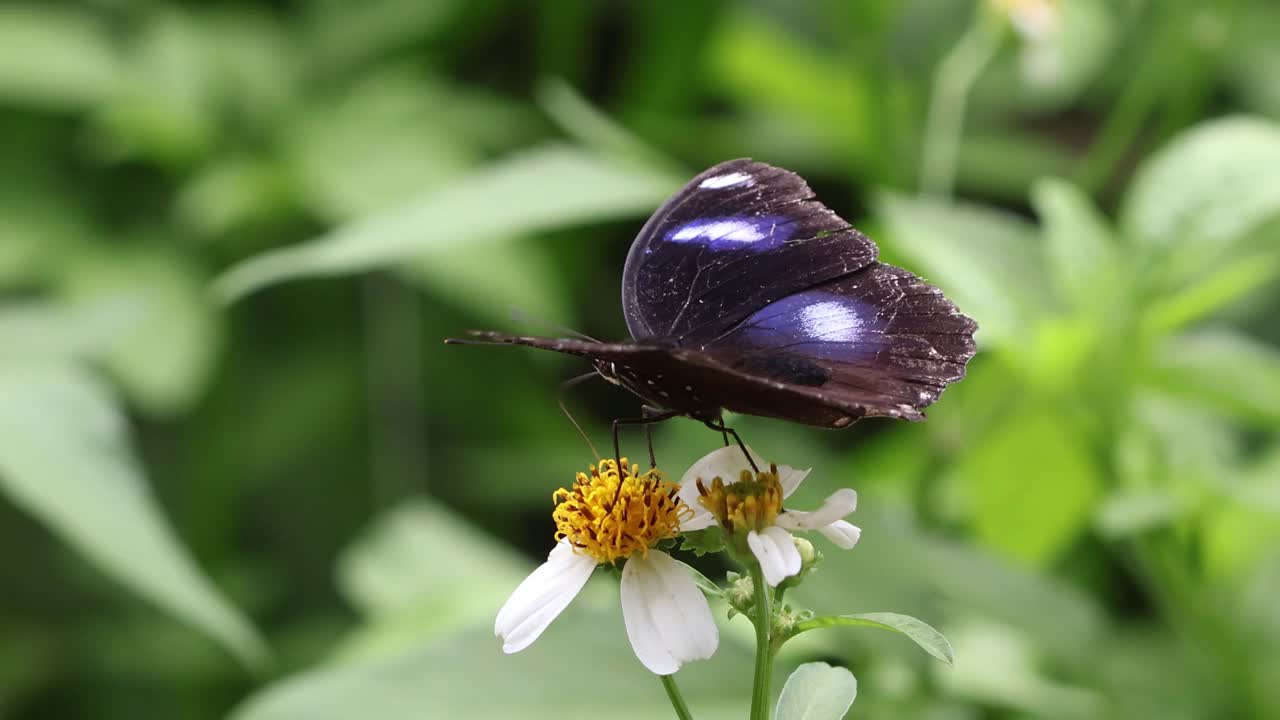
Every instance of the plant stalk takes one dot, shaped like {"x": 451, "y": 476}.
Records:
{"x": 673, "y": 694}
{"x": 764, "y": 650}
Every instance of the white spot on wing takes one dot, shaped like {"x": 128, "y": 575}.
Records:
{"x": 741, "y": 231}
{"x": 830, "y": 320}
{"x": 723, "y": 181}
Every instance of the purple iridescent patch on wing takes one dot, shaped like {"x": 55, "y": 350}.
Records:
{"x": 755, "y": 234}
{"x": 815, "y": 323}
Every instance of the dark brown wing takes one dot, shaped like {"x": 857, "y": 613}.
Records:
{"x": 881, "y": 338}
{"x": 699, "y": 384}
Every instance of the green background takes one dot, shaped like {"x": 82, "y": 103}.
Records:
{"x": 242, "y": 477}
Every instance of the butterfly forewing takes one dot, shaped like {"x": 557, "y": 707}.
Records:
{"x": 735, "y": 238}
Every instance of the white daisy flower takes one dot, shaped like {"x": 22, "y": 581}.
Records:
{"x": 754, "y": 504}
{"x": 668, "y": 620}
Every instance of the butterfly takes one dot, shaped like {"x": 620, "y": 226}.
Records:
{"x": 745, "y": 293}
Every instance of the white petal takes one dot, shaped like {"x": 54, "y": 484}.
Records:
{"x": 790, "y": 478}
{"x": 842, "y": 533}
{"x": 668, "y": 619}
{"x": 842, "y": 502}
{"x": 542, "y": 597}
{"x": 776, "y": 552}
{"x": 727, "y": 462}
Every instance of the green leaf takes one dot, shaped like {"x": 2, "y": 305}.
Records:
{"x": 45, "y": 222}
{"x": 1261, "y": 485}
{"x": 703, "y": 542}
{"x": 1214, "y": 290}
{"x": 1242, "y": 533}
{"x": 378, "y": 146}
{"x": 44, "y": 331}
{"x": 1205, "y": 191}
{"x": 1081, "y": 253}
{"x": 232, "y": 192}
{"x": 1222, "y": 369}
{"x": 420, "y": 553}
{"x": 1133, "y": 511}
{"x": 164, "y": 359}
{"x": 66, "y": 460}
{"x": 781, "y": 74}
{"x": 258, "y": 68}
{"x": 1003, "y": 669}
{"x": 522, "y": 277}
{"x": 1254, "y": 28}
{"x": 1033, "y": 485}
{"x": 986, "y": 260}
{"x": 341, "y": 39}
{"x": 549, "y": 187}
{"x": 593, "y": 128}
{"x": 1001, "y": 163}
{"x": 1236, "y": 537}
{"x": 166, "y": 108}
{"x": 54, "y": 56}
{"x": 1186, "y": 449}
{"x": 817, "y": 691}
{"x": 920, "y": 632}
{"x": 901, "y": 564}
{"x": 421, "y": 571}
{"x": 582, "y": 667}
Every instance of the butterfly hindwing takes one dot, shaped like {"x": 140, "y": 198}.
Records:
{"x": 881, "y": 337}
{"x": 737, "y": 237}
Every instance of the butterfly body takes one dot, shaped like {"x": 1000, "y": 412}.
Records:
{"x": 744, "y": 293}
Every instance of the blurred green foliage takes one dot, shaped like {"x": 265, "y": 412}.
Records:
{"x": 229, "y": 494}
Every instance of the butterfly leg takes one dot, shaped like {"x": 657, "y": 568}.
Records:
{"x": 650, "y": 412}
{"x": 648, "y": 419}
{"x": 720, "y": 427}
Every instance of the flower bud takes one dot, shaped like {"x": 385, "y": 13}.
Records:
{"x": 807, "y": 552}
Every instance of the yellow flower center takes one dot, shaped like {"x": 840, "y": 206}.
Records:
{"x": 752, "y": 503}
{"x": 608, "y": 519}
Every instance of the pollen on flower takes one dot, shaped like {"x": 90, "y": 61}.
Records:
{"x": 751, "y": 503}
{"x": 608, "y": 522}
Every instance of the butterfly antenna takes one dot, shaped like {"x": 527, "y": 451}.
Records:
{"x": 565, "y": 409}
{"x": 523, "y": 317}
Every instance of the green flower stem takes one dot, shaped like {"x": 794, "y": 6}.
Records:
{"x": 952, "y": 82}
{"x": 764, "y": 650}
{"x": 677, "y": 700}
